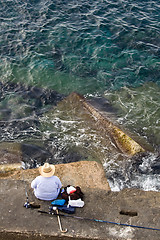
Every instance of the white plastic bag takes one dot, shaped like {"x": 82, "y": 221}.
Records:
{"x": 75, "y": 203}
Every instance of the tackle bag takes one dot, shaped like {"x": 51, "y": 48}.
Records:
{"x": 74, "y": 194}
{"x": 66, "y": 209}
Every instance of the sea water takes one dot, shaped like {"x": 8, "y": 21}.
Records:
{"x": 98, "y": 48}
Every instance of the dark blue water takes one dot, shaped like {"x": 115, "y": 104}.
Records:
{"x": 101, "y": 48}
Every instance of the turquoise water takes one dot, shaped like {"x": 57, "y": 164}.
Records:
{"x": 87, "y": 46}
{"x": 101, "y": 48}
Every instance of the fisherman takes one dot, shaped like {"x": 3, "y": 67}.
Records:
{"x": 46, "y": 186}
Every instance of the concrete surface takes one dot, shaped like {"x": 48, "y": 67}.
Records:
{"x": 19, "y": 223}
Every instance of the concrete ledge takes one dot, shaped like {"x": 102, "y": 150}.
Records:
{"x": 32, "y": 236}
{"x": 19, "y": 223}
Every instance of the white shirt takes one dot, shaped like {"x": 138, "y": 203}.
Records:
{"x": 46, "y": 188}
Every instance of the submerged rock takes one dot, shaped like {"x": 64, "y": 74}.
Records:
{"x": 124, "y": 143}
{"x": 10, "y": 153}
{"x": 34, "y": 156}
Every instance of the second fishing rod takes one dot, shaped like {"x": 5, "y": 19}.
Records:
{"x": 98, "y": 220}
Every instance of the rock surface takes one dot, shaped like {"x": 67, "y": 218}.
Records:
{"x": 86, "y": 174}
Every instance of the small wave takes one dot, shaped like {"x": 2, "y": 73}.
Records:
{"x": 140, "y": 172}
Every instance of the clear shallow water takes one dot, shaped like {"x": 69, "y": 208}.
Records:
{"x": 97, "y": 48}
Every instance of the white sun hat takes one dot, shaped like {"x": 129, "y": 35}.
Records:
{"x": 47, "y": 170}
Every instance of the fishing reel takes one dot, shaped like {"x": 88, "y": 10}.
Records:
{"x": 52, "y": 210}
{"x": 31, "y": 205}
{"x": 27, "y": 205}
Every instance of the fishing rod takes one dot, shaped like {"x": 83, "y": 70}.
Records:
{"x": 28, "y": 204}
{"x": 97, "y": 220}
